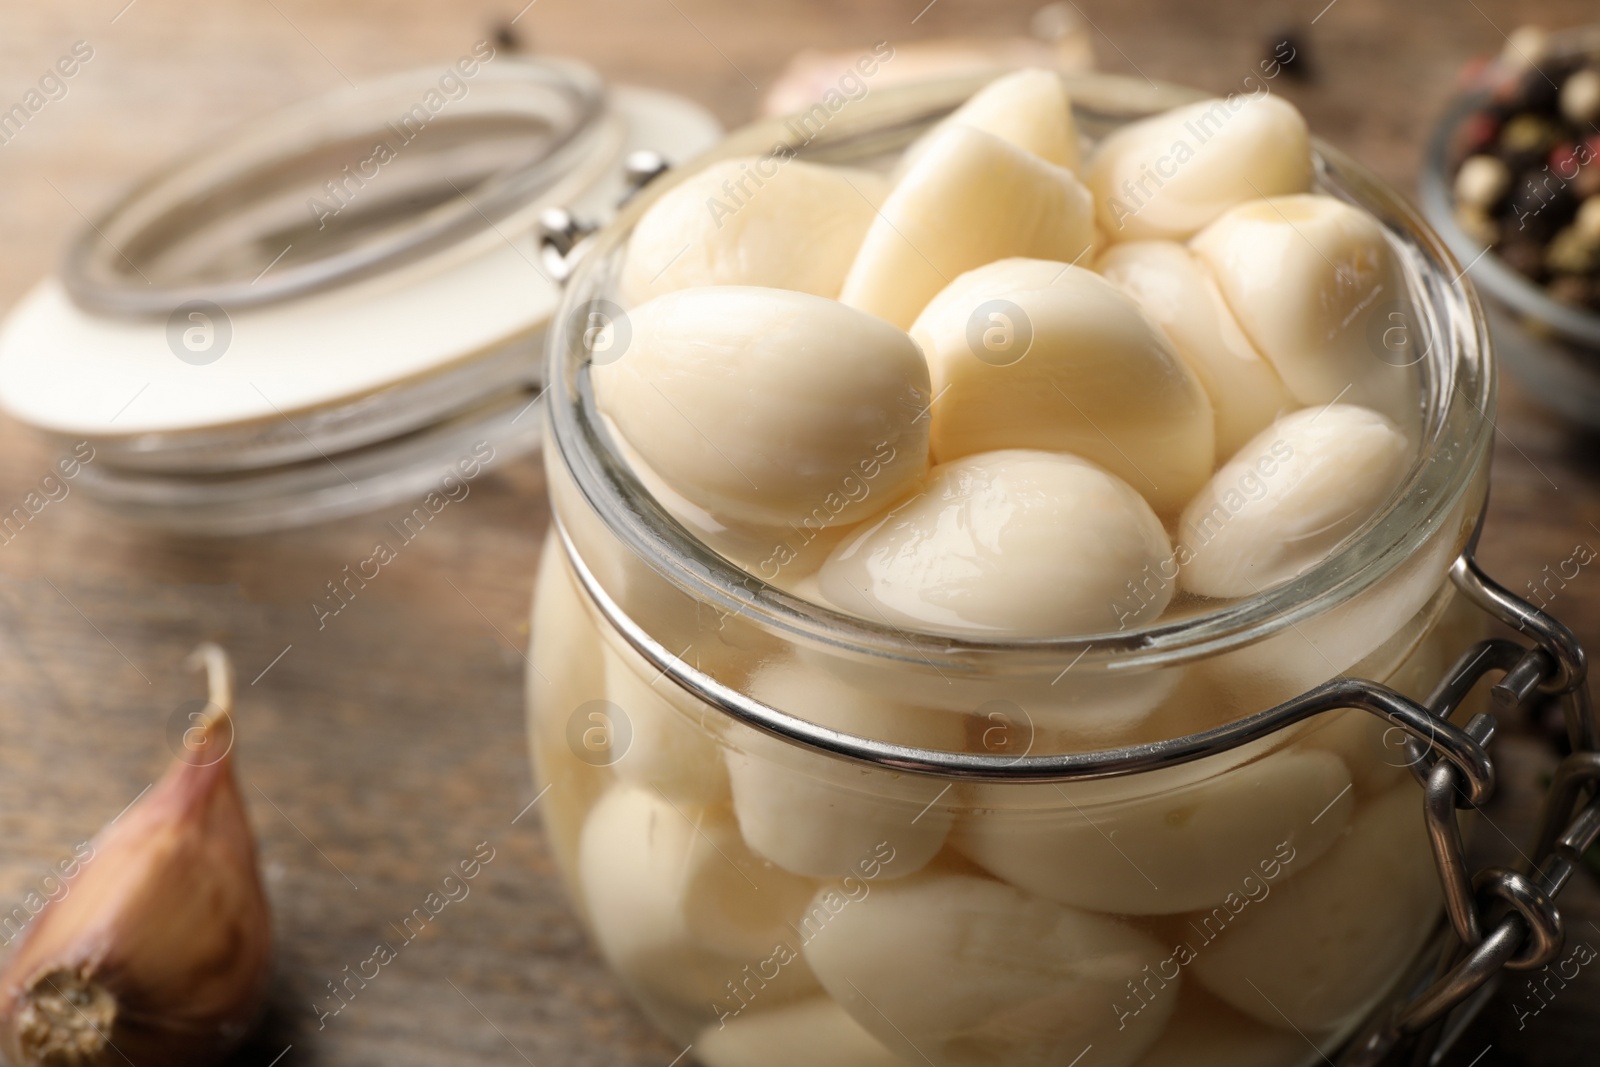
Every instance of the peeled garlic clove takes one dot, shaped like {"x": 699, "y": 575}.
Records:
{"x": 969, "y": 199}
{"x": 1329, "y": 940}
{"x": 1031, "y": 354}
{"x": 1178, "y": 851}
{"x": 1317, "y": 289}
{"x": 1288, "y": 498}
{"x": 770, "y": 407}
{"x": 1028, "y": 108}
{"x": 567, "y": 680}
{"x": 1205, "y": 1033}
{"x": 960, "y": 971}
{"x": 676, "y": 897}
{"x": 162, "y": 951}
{"x": 787, "y": 556}
{"x": 821, "y": 817}
{"x": 1167, "y": 176}
{"x": 763, "y": 220}
{"x": 1018, "y": 542}
{"x": 667, "y": 746}
{"x": 806, "y": 1034}
{"x": 1180, "y": 297}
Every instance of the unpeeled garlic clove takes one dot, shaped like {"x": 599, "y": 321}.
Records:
{"x": 766, "y": 221}
{"x": 1180, "y": 297}
{"x": 1288, "y": 498}
{"x": 1033, "y": 354}
{"x": 1168, "y": 176}
{"x": 969, "y": 199}
{"x": 770, "y": 407}
{"x": 161, "y": 952}
{"x": 959, "y": 971}
{"x": 1318, "y": 291}
{"x": 1019, "y": 543}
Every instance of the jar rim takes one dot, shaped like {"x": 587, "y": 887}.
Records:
{"x": 1458, "y": 392}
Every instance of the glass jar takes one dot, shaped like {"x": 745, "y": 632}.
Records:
{"x": 801, "y": 837}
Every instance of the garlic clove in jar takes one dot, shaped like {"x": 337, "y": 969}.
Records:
{"x": 162, "y": 951}
{"x": 1179, "y": 295}
{"x": 667, "y": 746}
{"x": 1168, "y": 176}
{"x": 1018, "y": 543}
{"x": 960, "y": 971}
{"x": 767, "y": 221}
{"x": 1175, "y": 851}
{"x": 566, "y": 680}
{"x": 1028, "y": 108}
{"x": 804, "y": 1034}
{"x": 669, "y": 883}
{"x": 969, "y": 199}
{"x": 770, "y": 407}
{"x": 1031, "y": 354}
{"x": 1206, "y": 1033}
{"x": 1318, "y": 291}
{"x": 821, "y": 817}
{"x": 1328, "y": 941}
{"x": 1288, "y": 498}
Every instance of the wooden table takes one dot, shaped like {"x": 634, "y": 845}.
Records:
{"x": 381, "y": 749}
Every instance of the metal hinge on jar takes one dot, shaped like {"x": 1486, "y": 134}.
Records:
{"x": 1500, "y": 918}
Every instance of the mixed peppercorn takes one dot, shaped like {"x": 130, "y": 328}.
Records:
{"x": 1527, "y": 178}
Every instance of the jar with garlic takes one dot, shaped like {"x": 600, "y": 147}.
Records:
{"x": 966, "y": 513}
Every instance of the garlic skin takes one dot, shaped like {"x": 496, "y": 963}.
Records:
{"x": 1008, "y": 543}
{"x": 770, "y": 407}
{"x": 766, "y": 221}
{"x": 1180, "y": 296}
{"x": 960, "y": 971}
{"x": 1168, "y": 176}
{"x": 969, "y": 199}
{"x": 1318, "y": 291}
{"x": 1027, "y": 353}
{"x": 162, "y": 952}
{"x": 1288, "y": 498}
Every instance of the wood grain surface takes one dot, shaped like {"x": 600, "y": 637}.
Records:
{"x": 383, "y": 748}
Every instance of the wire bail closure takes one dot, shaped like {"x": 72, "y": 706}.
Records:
{"x": 1498, "y": 918}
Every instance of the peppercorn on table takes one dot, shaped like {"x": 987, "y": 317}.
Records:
{"x": 380, "y": 737}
